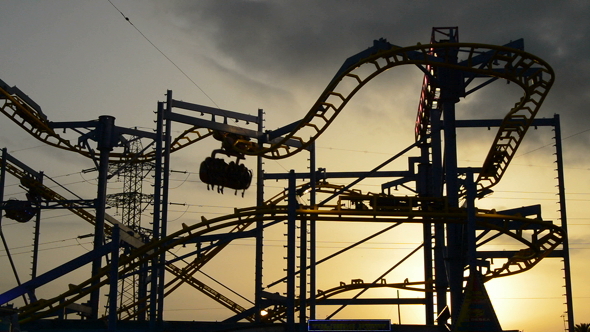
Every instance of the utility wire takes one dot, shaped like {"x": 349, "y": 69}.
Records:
{"x": 546, "y": 145}
{"x": 44, "y": 243}
{"x": 24, "y": 149}
{"x": 161, "y": 52}
{"x": 60, "y": 247}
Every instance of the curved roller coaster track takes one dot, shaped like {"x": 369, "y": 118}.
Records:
{"x": 537, "y": 245}
{"x": 538, "y": 238}
{"x": 529, "y": 72}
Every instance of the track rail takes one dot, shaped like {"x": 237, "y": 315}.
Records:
{"x": 37, "y": 125}
{"x": 47, "y": 193}
{"x": 531, "y": 73}
{"x": 33, "y": 121}
{"x": 180, "y": 275}
{"x": 535, "y": 249}
{"x": 184, "y": 274}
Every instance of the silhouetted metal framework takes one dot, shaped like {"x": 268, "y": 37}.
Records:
{"x": 444, "y": 196}
{"x": 132, "y": 202}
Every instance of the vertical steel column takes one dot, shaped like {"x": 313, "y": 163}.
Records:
{"x": 454, "y": 230}
{"x": 450, "y": 90}
{"x": 142, "y": 291}
{"x": 106, "y": 142}
{"x": 450, "y": 153}
{"x": 436, "y": 181}
{"x": 291, "y": 252}
{"x": 303, "y": 272}
{"x": 114, "y": 279}
{"x": 164, "y": 202}
{"x": 424, "y": 171}
{"x": 440, "y": 275}
{"x": 563, "y": 215}
{"x": 36, "y": 235}
{"x": 471, "y": 227}
{"x": 258, "y": 287}
{"x": 312, "y": 233}
{"x": 156, "y": 218}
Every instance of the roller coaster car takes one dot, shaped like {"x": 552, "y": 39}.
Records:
{"x": 354, "y": 202}
{"x": 491, "y": 168}
{"x": 231, "y": 142}
{"x": 378, "y": 202}
{"x": 217, "y": 172}
{"x": 32, "y": 186}
{"x": 21, "y": 211}
{"x": 384, "y": 202}
{"x": 389, "y": 202}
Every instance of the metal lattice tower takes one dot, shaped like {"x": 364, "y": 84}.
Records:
{"x": 131, "y": 203}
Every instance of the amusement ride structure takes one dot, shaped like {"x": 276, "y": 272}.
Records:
{"x": 141, "y": 269}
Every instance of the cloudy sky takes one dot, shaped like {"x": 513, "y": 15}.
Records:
{"x": 83, "y": 59}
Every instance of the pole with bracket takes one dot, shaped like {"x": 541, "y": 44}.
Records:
{"x": 105, "y": 135}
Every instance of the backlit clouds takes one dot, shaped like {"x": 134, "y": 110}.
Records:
{"x": 82, "y": 59}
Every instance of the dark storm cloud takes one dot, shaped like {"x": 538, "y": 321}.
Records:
{"x": 295, "y": 37}
{"x": 287, "y": 37}
{"x": 292, "y": 34}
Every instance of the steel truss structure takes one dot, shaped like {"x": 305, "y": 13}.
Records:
{"x": 454, "y": 230}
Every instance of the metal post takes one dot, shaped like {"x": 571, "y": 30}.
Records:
{"x": 312, "y": 233}
{"x": 106, "y": 141}
{"x": 436, "y": 184}
{"x": 441, "y": 281}
{"x": 259, "y": 225}
{"x": 563, "y": 215}
{"x": 164, "y": 203}
{"x": 291, "y": 243}
{"x": 114, "y": 279}
{"x": 450, "y": 81}
{"x": 36, "y": 236}
{"x": 471, "y": 248}
{"x": 424, "y": 172}
{"x": 142, "y": 290}
{"x": 450, "y": 159}
{"x": 156, "y": 218}
{"x": 302, "y": 271}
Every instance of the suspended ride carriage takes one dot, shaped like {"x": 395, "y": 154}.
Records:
{"x": 217, "y": 172}
{"x": 21, "y": 210}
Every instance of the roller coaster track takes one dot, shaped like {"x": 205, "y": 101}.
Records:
{"x": 531, "y": 73}
{"x": 544, "y": 240}
{"x": 17, "y": 107}
{"x": 46, "y": 192}
{"x": 546, "y": 237}
{"x": 185, "y": 274}
{"x": 180, "y": 275}
{"x": 49, "y": 194}
{"x": 31, "y": 119}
